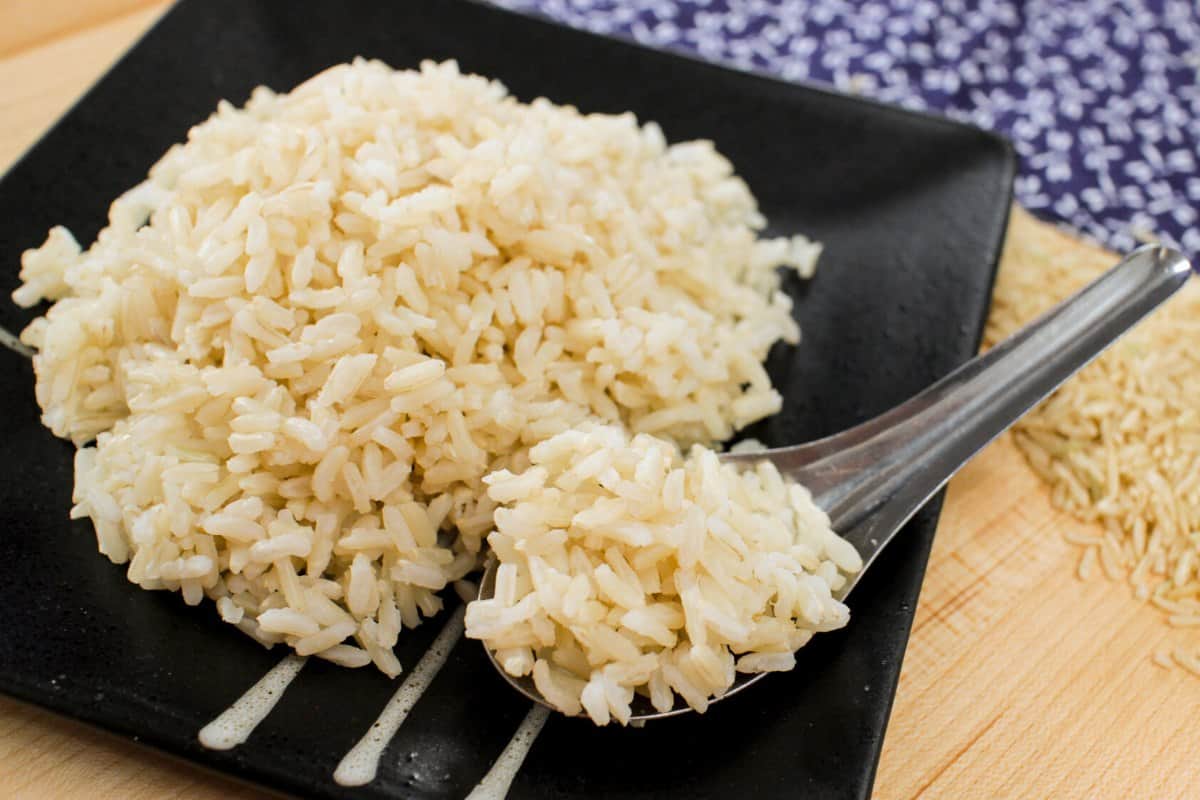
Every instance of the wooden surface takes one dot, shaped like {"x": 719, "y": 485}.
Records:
{"x": 1020, "y": 681}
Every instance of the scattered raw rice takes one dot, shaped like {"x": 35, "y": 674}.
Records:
{"x": 1187, "y": 659}
{"x": 624, "y": 568}
{"x": 296, "y": 349}
{"x": 1087, "y": 564}
{"x": 1119, "y": 444}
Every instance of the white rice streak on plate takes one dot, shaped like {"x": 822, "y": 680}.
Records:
{"x": 360, "y": 765}
{"x": 496, "y": 783}
{"x": 237, "y": 722}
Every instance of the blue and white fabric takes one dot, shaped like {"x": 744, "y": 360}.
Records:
{"x": 1100, "y": 97}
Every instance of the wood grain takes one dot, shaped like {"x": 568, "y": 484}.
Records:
{"x": 39, "y": 83}
{"x": 1020, "y": 681}
{"x": 46, "y": 756}
{"x": 26, "y": 24}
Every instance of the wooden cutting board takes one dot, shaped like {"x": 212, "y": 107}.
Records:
{"x": 1020, "y": 680}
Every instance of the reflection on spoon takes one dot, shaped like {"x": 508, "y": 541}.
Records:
{"x": 14, "y": 343}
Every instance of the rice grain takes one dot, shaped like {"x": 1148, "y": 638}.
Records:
{"x": 288, "y": 368}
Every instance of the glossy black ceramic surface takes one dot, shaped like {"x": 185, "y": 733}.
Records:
{"x": 911, "y": 210}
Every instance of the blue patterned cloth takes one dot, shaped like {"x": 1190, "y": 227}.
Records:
{"x": 1100, "y": 97}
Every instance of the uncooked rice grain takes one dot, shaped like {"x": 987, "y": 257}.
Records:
{"x": 297, "y": 347}
{"x": 1119, "y": 443}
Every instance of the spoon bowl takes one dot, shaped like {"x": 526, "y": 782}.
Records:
{"x": 872, "y": 478}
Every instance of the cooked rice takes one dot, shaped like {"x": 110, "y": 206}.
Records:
{"x": 624, "y": 568}
{"x": 1119, "y": 444}
{"x": 297, "y": 347}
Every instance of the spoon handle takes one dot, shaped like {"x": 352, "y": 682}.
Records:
{"x": 873, "y": 487}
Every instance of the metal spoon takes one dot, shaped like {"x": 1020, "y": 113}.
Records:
{"x": 872, "y": 478}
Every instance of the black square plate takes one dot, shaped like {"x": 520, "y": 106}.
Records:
{"x": 911, "y": 208}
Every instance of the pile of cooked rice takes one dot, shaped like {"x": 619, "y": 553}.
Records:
{"x": 624, "y": 568}
{"x": 1119, "y": 444}
{"x": 299, "y": 346}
